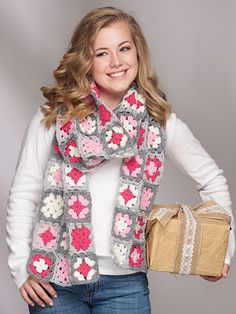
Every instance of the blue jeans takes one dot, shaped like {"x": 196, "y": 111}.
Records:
{"x": 112, "y": 294}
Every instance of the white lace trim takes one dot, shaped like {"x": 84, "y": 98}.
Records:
{"x": 189, "y": 239}
{"x": 212, "y": 208}
{"x": 163, "y": 211}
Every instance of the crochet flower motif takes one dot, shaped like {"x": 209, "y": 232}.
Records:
{"x": 41, "y": 265}
{"x": 105, "y": 115}
{"x": 94, "y": 88}
{"x": 130, "y": 124}
{"x": 141, "y": 137}
{"x": 135, "y": 257}
{"x": 53, "y": 206}
{"x": 74, "y": 177}
{"x": 56, "y": 149}
{"x": 62, "y": 270}
{"x": 80, "y": 238}
{"x": 132, "y": 166}
{"x": 72, "y": 152}
{"x": 88, "y": 125}
{"x": 141, "y": 99}
{"x": 65, "y": 129}
{"x": 153, "y": 137}
{"x": 91, "y": 146}
{"x": 152, "y": 168}
{"x": 135, "y": 104}
{"x": 128, "y": 195}
{"x": 47, "y": 236}
{"x": 116, "y": 138}
{"x": 84, "y": 268}
{"x": 120, "y": 251}
{"x": 64, "y": 242}
{"x": 78, "y": 206}
{"x": 146, "y": 197}
{"x": 55, "y": 176}
{"x": 122, "y": 224}
{"x": 138, "y": 230}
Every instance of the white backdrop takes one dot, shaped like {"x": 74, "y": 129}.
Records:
{"x": 193, "y": 49}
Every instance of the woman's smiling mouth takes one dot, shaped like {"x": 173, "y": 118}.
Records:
{"x": 117, "y": 74}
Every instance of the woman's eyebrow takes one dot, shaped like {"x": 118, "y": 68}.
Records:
{"x": 123, "y": 42}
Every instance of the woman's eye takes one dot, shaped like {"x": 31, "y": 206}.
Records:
{"x": 125, "y": 48}
{"x": 104, "y": 53}
{"x": 101, "y": 54}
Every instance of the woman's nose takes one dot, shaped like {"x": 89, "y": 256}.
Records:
{"x": 115, "y": 60}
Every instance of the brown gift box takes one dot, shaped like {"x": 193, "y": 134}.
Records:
{"x": 185, "y": 240}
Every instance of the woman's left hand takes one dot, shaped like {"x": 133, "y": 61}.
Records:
{"x": 224, "y": 273}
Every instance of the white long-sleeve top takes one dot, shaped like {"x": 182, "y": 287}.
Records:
{"x": 27, "y": 187}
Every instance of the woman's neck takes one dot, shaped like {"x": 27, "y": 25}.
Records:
{"x": 112, "y": 101}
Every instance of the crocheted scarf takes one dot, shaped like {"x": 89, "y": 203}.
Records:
{"x": 63, "y": 249}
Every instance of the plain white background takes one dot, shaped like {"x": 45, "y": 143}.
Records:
{"x": 193, "y": 49}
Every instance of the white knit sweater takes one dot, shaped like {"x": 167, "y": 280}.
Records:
{"x": 27, "y": 186}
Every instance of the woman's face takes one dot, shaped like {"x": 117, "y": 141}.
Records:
{"x": 115, "y": 64}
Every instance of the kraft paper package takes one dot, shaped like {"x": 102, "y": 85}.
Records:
{"x": 188, "y": 241}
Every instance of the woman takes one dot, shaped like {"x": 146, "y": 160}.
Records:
{"x": 92, "y": 168}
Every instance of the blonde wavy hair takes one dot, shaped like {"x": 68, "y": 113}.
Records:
{"x": 73, "y": 75}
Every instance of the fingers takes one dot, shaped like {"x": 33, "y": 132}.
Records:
{"x": 30, "y": 296}
{"x": 24, "y": 295}
{"x": 49, "y": 288}
{"x": 210, "y": 278}
{"x": 39, "y": 295}
{"x": 225, "y": 270}
{"x": 32, "y": 292}
{"x": 224, "y": 273}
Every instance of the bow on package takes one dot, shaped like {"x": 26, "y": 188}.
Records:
{"x": 185, "y": 240}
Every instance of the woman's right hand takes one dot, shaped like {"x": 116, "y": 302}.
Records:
{"x": 32, "y": 292}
